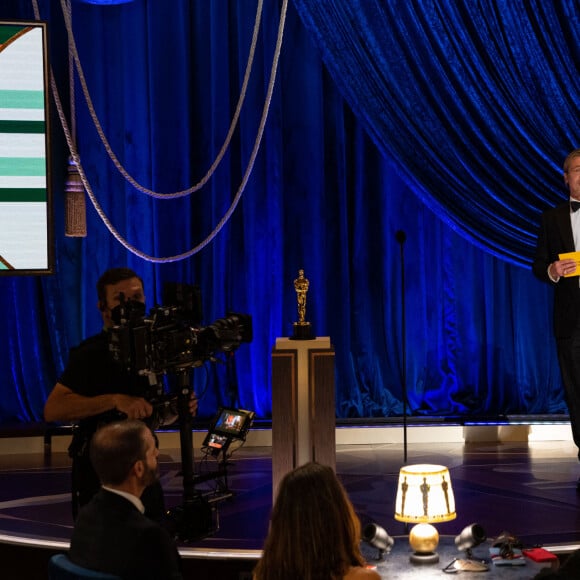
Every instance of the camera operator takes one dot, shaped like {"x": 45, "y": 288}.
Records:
{"x": 94, "y": 390}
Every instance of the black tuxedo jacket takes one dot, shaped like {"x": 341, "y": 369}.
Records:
{"x": 111, "y": 535}
{"x": 555, "y": 237}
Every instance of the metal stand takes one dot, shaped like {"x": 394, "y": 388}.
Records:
{"x": 220, "y": 476}
{"x": 401, "y": 237}
{"x": 192, "y": 520}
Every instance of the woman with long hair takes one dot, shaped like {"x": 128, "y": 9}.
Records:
{"x": 314, "y": 532}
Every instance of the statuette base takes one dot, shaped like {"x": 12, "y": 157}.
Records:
{"x": 302, "y": 331}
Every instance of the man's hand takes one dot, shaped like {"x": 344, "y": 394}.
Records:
{"x": 66, "y": 405}
{"x": 133, "y": 407}
{"x": 562, "y": 268}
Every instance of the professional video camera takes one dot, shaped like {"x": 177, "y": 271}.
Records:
{"x": 170, "y": 339}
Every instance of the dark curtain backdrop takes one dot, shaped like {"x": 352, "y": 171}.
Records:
{"x": 447, "y": 121}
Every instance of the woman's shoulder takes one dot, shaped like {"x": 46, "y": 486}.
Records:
{"x": 360, "y": 573}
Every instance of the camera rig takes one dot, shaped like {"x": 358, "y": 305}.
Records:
{"x": 170, "y": 340}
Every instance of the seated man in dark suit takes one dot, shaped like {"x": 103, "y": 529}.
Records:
{"x": 111, "y": 534}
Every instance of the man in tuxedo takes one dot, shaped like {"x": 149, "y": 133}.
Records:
{"x": 111, "y": 534}
{"x": 560, "y": 234}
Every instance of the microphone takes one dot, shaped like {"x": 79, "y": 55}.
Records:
{"x": 400, "y": 236}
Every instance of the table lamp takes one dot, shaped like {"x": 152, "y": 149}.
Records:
{"x": 424, "y": 496}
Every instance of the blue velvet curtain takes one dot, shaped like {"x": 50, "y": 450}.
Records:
{"x": 386, "y": 116}
{"x": 475, "y": 100}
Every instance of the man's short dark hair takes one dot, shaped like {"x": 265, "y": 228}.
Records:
{"x": 113, "y": 276}
{"x": 115, "y": 448}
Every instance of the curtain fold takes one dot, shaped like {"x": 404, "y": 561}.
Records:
{"x": 475, "y": 100}
{"x": 442, "y": 120}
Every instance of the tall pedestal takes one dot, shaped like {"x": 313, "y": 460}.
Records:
{"x": 303, "y": 407}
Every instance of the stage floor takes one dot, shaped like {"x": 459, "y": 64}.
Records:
{"x": 528, "y": 489}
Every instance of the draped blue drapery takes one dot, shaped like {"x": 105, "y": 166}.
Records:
{"x": 475, "y": 100}
{"x": 421, "y": 112}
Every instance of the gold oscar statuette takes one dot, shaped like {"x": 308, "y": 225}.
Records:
{"x": 302, "y": 328}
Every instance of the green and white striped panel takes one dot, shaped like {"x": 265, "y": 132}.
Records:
{"x": 23, "y": 156}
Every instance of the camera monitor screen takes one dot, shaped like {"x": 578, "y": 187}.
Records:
{"x": 216, "y": 441}
{"x": 26, "y": 237}
{"x": 232, "y": 422}
{"x": 229, "y": 425}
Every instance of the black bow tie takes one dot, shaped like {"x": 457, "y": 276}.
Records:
{"x": 574, "y": 205}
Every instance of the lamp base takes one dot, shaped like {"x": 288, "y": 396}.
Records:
{"x": 424, "y": 558}
{"x": 424, "y": 539}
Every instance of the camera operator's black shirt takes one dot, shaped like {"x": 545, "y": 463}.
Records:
{"x": 91, "y": 371}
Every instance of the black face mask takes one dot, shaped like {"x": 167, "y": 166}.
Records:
{"x": 127, "y": 311}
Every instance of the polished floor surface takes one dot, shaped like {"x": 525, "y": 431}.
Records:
{"x": 528, "y": 489}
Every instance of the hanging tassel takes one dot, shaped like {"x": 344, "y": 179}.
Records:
{"x": 75, "y": 205}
